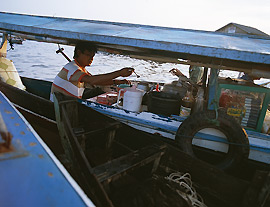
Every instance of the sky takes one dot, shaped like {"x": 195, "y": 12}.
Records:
{"x": 208, "y": 15}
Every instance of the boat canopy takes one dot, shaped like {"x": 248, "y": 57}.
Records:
{"x": 209, "y": 49}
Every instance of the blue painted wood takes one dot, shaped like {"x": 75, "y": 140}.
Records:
{"x": 213, "y": 84}
{"x": 193, "y": 42}
{"x": 213, "y": 138}
{"x": 159, "y": 122}
{"x": 30, "y": 175}
{"x": 166, "y": 124}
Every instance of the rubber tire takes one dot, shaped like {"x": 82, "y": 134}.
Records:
{"x": 226, "y": 124}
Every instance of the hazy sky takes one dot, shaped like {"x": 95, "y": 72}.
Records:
{"x": 192, "y": 14}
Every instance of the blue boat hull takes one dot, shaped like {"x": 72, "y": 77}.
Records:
{"x": 30, "y": 170}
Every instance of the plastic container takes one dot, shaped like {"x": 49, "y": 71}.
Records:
{"x": 108, "y": 98}
{"x": 132, "y": 99}
{"x": 121, "y": 86}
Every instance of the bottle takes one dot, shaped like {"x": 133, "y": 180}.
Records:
{"x": 186, "y": 104}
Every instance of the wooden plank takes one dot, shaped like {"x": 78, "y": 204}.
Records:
{"x": 105, "y": 127}
{"x": 116, "y": 168}
{"x": 80, "y": 166}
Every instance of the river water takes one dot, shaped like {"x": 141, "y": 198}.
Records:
{"x": 39, "y": 60}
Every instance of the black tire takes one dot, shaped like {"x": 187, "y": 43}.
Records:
{"x": 235, "y": 134}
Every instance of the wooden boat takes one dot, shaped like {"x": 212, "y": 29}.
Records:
{"x": 134, "y": 164}
{"x": 37, "y": 109}
{"x": 29, "y": 169}
{"x": 117, "y": 165}
{"x": 161, "y": 44}
{"x": 125, "y": 163}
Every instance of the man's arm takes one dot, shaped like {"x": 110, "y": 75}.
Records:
{"x": 107, "y": 79}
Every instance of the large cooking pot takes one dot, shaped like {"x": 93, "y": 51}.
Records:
{"x": 163, "y": 103}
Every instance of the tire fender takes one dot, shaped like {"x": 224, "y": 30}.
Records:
{"x": 236, "y": 135}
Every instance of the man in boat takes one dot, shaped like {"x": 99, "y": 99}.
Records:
{"x": 249, "y": 77}
{"x": 195, "y": 74}
{"x": 74, "y": 80}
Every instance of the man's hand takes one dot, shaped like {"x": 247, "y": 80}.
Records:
{"x": 176, "y": 72}
{"x": 125, "y": 72}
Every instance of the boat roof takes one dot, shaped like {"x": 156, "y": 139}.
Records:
{"x": 219, "y": 50}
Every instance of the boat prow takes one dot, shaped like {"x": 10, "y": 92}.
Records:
{"x": 29, "y": 168}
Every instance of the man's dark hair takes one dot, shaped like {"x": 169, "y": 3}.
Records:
{"x": 82, "y": 46}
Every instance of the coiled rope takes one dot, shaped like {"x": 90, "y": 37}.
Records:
{"x": 189, "y": 194}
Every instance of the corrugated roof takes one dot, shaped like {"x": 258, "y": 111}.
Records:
{"x": 220, "y": 49}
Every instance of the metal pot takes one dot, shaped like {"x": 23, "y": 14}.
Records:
{"x": 174, "y": 88}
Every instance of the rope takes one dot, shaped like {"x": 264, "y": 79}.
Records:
{"x": 190, "y": 194}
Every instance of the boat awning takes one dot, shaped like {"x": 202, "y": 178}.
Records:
{"x": 150, "y": 42}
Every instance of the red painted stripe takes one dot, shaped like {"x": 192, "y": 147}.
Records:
{"x": 80, "y": 78}
{"x": 64, "y": 69}
{"x": 74, "y": 74}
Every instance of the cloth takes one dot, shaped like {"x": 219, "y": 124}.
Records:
{"x": 9, "y": 74}
{"x": 68, "y": 80}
